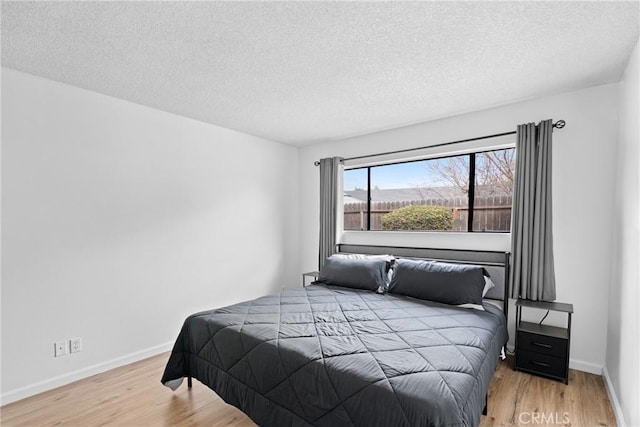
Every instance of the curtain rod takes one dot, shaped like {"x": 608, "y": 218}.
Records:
{"x": 557, "y": 125}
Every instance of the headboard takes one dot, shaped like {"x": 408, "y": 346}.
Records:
{"x": 496, "y": 263}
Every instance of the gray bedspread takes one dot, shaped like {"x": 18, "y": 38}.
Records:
{"x": 331, "y": 356}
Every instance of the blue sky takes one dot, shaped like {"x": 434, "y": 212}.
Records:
{"x": 402, "y": 175}
{"x": 408, "y": 175}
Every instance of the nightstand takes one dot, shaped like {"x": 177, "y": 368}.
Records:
{"x": 541, "y": 349}
{"x": 314, "y": 274}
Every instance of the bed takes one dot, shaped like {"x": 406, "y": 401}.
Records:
{"x": 334, "y": 355}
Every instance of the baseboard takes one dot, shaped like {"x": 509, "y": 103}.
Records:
{"x": 613, "y": 398}
{"x": 579, "y": 365}
{"x": 59, "y": 381}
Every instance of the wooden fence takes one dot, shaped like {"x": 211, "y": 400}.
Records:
{"x": 492, "y": 213}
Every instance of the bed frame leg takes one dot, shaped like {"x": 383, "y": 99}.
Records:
{"x": 484, "y": 411}
{"x": 189, "y": 382}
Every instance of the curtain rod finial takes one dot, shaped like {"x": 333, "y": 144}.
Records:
{"x": 316, "y": 163}
{"x": 559, "y": 124}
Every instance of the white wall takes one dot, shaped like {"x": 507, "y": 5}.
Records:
{"x": 119, "y": 221}
{"x": 583, "y": 171}
{"x": 623, "y": 348}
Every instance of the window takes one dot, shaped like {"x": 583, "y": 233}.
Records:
{"x": 468, "y": 192}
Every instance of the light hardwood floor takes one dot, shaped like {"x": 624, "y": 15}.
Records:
{"x": 133, "y": 396}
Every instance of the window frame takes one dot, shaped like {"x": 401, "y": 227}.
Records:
{"x": 470, "y": 196}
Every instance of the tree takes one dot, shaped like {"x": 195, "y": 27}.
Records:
{"x": 494, "y": 172}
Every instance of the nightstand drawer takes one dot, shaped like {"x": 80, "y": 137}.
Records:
{"x": 541, "y": 363}
{"x": 550, "y": 346}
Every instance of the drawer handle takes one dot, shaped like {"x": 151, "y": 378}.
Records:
{"x": 539, "y": 344}
{"x": 544, "y": 365}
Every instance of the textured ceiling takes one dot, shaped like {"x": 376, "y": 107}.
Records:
{"x": 301, "y": 72}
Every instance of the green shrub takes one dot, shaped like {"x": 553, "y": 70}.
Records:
{"x": 418, "y": 217}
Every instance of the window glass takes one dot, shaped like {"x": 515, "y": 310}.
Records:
{"x": 433, "y": 194}
{"x": 355, "y": 199}
{"x": 422, "y": 195}
{"x": 493, "y": 191}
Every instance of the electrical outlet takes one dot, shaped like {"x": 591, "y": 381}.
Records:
{"x": 59, "y": 348}
{"x": 75, "y": 345}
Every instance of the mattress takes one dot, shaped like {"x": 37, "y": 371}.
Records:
{"x": 332, "y": 356}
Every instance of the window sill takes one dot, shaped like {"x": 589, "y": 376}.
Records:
{"x": 430, "y": 239}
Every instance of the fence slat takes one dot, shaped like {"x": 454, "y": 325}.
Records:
{"x": 491, "y": 213}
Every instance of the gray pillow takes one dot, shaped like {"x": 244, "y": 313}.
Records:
{"x": 356, "y": 273}
{"x": 390, "y": 259}
{"x": 454, "y": 284}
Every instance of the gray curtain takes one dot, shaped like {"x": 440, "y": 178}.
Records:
{"x": 329, "y": 169}
{"x": 532, "y": 267}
